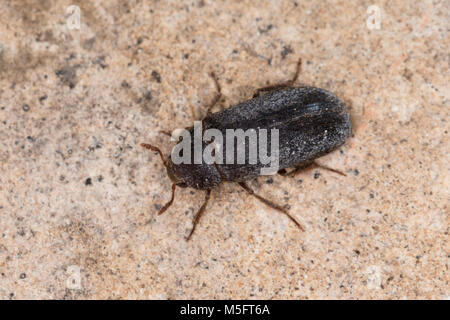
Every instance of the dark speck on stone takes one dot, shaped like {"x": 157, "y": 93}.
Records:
{"x": 186, "y": 56}
{"x": 266, "y": 29}
{"x": 157, "y": 206}
{"x": 100, "y": 178}
{"x": 26, "y": 108}
{"x": 125, "y": 84}
{"x": 156, "y": 76}
{"x": 286, "y": 50}
{"x": 100, "y": 60}
{"x": 316, "y": 175}
{"x": 88, "y": 182}
{"x": 148, "y": 95}
{"x": 23, "y": 276}
{"x": 67, "y": 75}
{"x": 357, "y": 252}
{"x": 269, "y": 181}
{"x": 356, "y": 172}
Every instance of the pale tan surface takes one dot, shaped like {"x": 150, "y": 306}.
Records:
{"x": 380, "y": 232}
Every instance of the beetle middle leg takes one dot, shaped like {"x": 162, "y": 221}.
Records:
{"x": 199, "y": 214}
{"x": 286, "y": 84}
{"x": 270, "y": 204}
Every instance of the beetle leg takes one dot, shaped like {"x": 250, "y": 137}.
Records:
{"x": 199, "y": 214}
{"x": 271, "y": 88}
{"x": 168, "y": 204}
{"x": 308, "y": 166}
{"x": 218, "y": 94}
{"x": 270, "y": 204}
{"x": 281, "y": 85}
{"x": 317, "y": 165}
{"x": 296, "y": 170}
{"x": 155, "y": 149}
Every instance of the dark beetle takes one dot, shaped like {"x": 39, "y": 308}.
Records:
{"x": 311, "y": 123}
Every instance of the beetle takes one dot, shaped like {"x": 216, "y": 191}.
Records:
{"x": 311, "y": 122}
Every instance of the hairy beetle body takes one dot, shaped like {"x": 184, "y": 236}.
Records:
{"x": 311, "y": 122}
{"x": 305, "y": 122}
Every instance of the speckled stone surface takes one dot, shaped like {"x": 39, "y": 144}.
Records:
{"x": 79, "y": 197}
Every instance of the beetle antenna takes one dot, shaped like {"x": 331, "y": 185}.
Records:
{"x": 168, "y": 204}
{"x": 167, "y": 133}
{"x": 155, "y": 149}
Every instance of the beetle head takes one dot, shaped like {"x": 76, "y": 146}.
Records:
{"x": 174, "y": 176}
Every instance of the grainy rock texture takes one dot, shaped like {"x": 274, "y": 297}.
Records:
{"x": 79, "y": 197}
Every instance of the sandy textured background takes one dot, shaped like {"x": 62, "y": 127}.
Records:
{"x": 77, "y": 190}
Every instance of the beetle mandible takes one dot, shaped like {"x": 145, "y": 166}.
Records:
{"x": 311, "y": 122}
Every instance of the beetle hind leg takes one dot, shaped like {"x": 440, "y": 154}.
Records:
{"x": 297, "y": 169}
{"x": 317, "y": 165}
{"x": 271, "y": 204}
{"x": 281, "y": 85}
{"x": 218, "y": 94}
{"x": 307, "y": 166}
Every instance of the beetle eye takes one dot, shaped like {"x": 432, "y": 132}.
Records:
{"x": 182, "y": 185}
